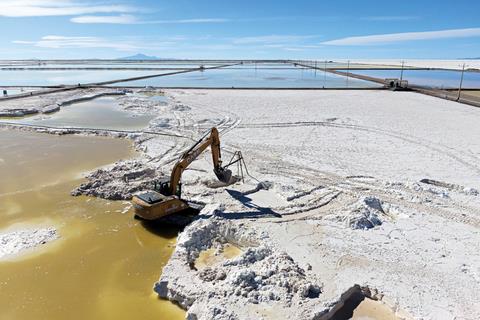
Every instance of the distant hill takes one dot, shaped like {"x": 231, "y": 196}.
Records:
{"x": 140, "y": 56}
{"x": 478, "y": 58}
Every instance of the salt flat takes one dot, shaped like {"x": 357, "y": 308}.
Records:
{"x": 348, "y": 167}
{"x": 397, "y": 136}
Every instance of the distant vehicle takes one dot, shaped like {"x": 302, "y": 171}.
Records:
{"x": 396, "y": 84}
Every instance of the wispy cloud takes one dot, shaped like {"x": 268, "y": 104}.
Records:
{"x": 87, "y": 12}
{"x": 130, "y": 19}
{"x": 406, "y": 36}
{"x": 197, "y": 20}
{"x": 390, "y": 18}
{"x": 120, "y": 19}
{"x": 33, "y": 8}
{"x": 295, "y": 49}
{"x": 59, "y": 42}
{"x": 291, "y": 47}
{"x": 272, "y": 39}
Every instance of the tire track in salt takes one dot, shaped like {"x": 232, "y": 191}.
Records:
{"x": 439, "y": 148}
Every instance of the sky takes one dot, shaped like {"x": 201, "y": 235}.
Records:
{"x": 222, "y": 29}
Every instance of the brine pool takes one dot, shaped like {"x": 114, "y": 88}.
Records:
{"x": 100, "y": 113}
{"x": 104, "y": 264}
{"x": 268, "y": 75}
{"x": 248, "y": 76}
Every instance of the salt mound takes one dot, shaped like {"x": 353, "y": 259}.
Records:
{"x": 19, "y": 240}
{"x": 119, "y": 182}
{"x": 365, "y": 213}
{"x": 260, "y": 275}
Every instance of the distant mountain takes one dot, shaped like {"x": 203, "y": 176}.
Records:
{"x": 478, "y": 58}
{"x": 140, "y": 56}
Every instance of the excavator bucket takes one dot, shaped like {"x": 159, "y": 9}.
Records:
{"x": 224, "y": 175}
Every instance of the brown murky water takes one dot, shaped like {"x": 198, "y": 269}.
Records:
{"x": 105, "y": 263}
{"x": 210, "y": 257}
{"x": 471, "y": 93}
{"x": 370, "y": 309}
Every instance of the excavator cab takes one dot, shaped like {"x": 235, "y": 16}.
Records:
{"x": 163, "y": 187}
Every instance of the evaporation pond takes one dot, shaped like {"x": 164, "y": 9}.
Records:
{"x": 104, "y": 264}
{"x": 246, "y": 76}
{"x": 66, "y": 77}
{"x": 101, "y": 113}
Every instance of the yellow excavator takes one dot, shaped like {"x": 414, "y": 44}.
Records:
{"x": 166, "y": 199}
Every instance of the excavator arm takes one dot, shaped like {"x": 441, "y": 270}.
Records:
{"x": 189, "y": 156}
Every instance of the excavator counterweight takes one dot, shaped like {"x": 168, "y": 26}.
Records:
{"x": 166, "y": 199}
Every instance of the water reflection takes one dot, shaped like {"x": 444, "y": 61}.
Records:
{"x": 244, "y": 77}
{"x": 101, "y": 113}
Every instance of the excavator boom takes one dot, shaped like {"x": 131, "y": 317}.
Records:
{"x": 189, "y": 156}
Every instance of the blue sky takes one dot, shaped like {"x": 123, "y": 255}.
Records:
{"x": 266, "y": 29}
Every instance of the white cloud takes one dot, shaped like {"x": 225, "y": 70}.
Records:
{"x": 290, "y": 47}
{"x": 121, "y": 19}
{"x": 59, "y": 42}
{"x": 86, "y": 12}
{"x": 33, "y": 8}
{"x": 389, "y": 18}
{"x": 197, "y": 20}
{"x": 271, "y": 39}
{"x": 406, "y": 36}
{"x": 293, "y": 49}
{"x": 129, "y": 19}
